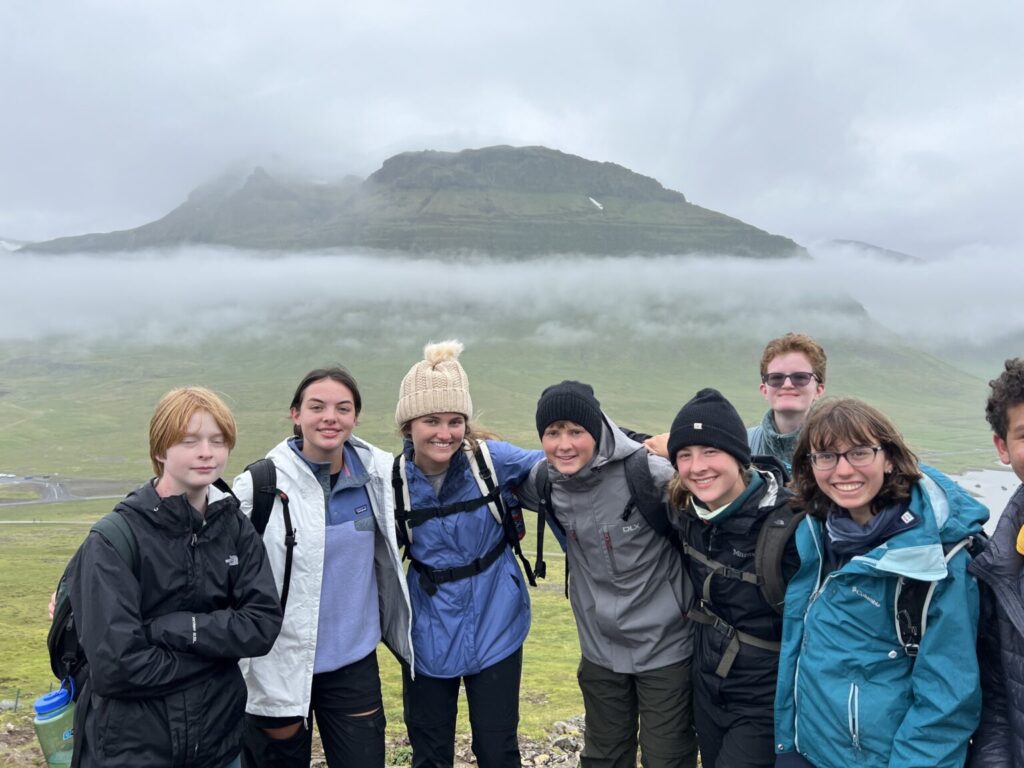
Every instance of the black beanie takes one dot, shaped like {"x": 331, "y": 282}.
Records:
{"x": 710, "y": 420}
{"x": 570, "y": 401}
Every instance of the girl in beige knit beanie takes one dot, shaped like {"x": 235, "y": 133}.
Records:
{"x": 471, "y": 610}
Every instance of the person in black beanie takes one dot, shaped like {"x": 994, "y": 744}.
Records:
{"x": 720, "y": 502}
{"x": 627, "y": 584}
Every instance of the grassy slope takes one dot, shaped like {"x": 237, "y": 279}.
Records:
{"x": 83, "y": 411}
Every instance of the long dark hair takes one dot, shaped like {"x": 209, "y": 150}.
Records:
{"x": 336, "y": 373}
{"x": 836, "y": 420}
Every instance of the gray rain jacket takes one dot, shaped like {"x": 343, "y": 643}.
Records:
{"x": 627, "y": 587}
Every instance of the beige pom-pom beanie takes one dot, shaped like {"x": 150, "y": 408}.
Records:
{"x": 436, "y": 384}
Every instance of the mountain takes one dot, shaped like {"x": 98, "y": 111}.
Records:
{"x": 497, "y": 200}
{"x": 875, "y": 251}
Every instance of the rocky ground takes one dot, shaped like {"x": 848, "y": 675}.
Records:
{"x": 18, "y": 747}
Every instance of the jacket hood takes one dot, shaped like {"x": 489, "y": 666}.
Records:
{"x": 614, "y": 446}
{"x": 172, "y": 512}
{"x": 948, "y": 515}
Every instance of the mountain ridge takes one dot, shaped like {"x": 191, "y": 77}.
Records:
{"x": 496, "y": 200}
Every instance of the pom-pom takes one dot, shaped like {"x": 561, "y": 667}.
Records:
{"x": 441, "y": 351}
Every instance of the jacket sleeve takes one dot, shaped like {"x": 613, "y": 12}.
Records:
{"x": 123, "y": 663}
{"x": 512, "y": 463}
{"x": 247, "y": 628}
{"x": 798, "y": 592}
{"x": 945, "y": 681}
{"x": 991, "y": 746}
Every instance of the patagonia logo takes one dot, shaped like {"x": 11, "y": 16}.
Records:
{"x": 861, "y": 593}
{"x": 631, "y": 528}
{"x": 361, "y": 510}
{"x": 232, "y": 560}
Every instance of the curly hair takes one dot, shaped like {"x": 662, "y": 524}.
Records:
{"x": 1007, "y": 391}
{"x": 796, "y": 342}
{"x": 847, "y": 420}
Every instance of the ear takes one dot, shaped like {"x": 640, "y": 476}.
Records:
{"x": 819, "y": 390}
{"x": 764, "y": 390}
{"x": 295, "y": 416}
{"x": 1001, "y": 449}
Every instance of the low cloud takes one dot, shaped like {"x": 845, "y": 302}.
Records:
{"x": 200, "y": 293}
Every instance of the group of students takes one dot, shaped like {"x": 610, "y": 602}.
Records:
{"x": 685, "y": 646}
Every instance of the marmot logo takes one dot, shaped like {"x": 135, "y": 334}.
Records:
{"x": 861, "y": 593}
{"x": 737, "y": 553}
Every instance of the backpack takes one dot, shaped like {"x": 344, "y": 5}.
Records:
{"x": 913, "y": 597}
{"x": 67, "y": 660}
{"x": 508, "y": 515}
{"x": 644, "y": 496}
{"x": 264, "y": 493}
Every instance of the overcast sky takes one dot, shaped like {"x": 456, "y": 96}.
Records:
{"x": 896, "y": 123}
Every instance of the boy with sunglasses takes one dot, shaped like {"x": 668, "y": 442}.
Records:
{"x": 792, "y": 378}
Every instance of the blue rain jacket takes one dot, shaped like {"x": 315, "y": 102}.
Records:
{"x": 848, "y": 694}
{"x": 472, "y": 623}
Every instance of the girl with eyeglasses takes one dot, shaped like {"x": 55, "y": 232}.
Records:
{"x": 851, "y": 689}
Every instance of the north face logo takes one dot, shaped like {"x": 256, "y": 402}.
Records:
{"x": 232, "y": 560}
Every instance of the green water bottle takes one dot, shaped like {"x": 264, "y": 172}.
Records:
{"x": 54, "y": 722}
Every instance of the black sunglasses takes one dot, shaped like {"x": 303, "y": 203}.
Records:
{"x": 799, "y": 379}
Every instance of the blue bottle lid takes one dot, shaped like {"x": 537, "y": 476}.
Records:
{"x": 50, "y": 702}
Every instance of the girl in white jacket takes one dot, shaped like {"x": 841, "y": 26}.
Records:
{"x": 346, "y": 590}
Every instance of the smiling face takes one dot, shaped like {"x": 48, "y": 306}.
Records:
{"x": 326, "y": 417}
{"x": 567, "y": 446}
{"x": 713, "y": 476}
{"x": 853, "y": 488}
{"x": 196, "y": 461}
{"x": 1011, "y": 449}
{"x": 790, "y": 399}
{"x": 435, "y": 439}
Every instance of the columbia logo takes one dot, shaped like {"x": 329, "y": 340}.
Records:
{"x": 861, "y": 593}
{"x": 233, "y": 560}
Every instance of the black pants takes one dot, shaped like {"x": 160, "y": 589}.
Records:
{"x": 431, "y": 706}
{"x": 733, "y": 739}
{"x": 350, "y": 739}
{"x": 659, "y": 699}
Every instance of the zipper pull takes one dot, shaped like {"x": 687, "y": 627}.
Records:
{"x": 195, "y": 539}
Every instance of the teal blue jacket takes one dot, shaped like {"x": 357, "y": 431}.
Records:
{"x": 848, "y": 694}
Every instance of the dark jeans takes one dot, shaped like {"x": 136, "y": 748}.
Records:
{"x": 614, "y": 702}
{"x": 431, "y": 705}
{"x": 350, "y": 739}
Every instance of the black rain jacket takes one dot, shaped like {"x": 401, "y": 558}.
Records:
{"x": 999, "y": 741}
{"x": 749, "y": 688}
{"x": 164, "y": 687}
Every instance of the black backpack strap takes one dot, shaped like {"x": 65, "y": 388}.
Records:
{"x": 430, "y": 578}
{"x": 115, "y": 529}
{"x": 643, "y": 494}
{"x": 913, "y": 597}
{"x": 777, "y": 529}
{"x": 542, "y": 487}
{"x": 264, "y": 493}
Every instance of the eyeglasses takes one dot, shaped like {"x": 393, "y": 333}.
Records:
{"x": 799, "y": 379}
{"x": 860, "y": 456}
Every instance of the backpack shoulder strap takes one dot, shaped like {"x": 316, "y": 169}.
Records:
{"x": 644, "y": 494}
{"x": 264, "y": 492}
{"x": 115, "y": 529}
{"x": 482, "y": 467}
{"x": 913, "y": 598}
{"x": 400, "y": 486}
{"x": 777, "y": 529}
